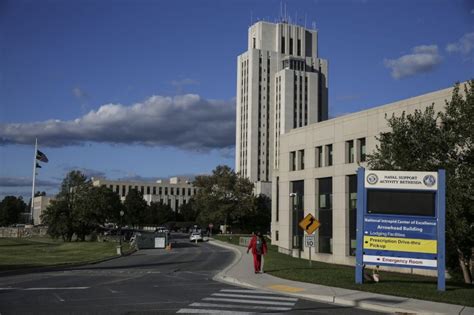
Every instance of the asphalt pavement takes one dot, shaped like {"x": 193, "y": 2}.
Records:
{"x": 154, "y": 281}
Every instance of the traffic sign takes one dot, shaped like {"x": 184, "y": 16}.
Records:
{"x": 309, "y": 240}
{"x": 309, "y": 224}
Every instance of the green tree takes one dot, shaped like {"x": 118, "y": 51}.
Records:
{"x": 223, "y": 197}
{"x": 260, "y": 216}
{"x": 428, "y": 141}
{"x": 59, "y": 216}
{"x": 189, "y": 211}
{"x": 135, "y": 207}
{"x": 158, "y": 214}
{"x": 11, "y": 209}
{"x": 94, "y": 206}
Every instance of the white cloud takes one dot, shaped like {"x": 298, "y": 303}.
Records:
{"x": 187, "y": 121}
{"x": 423, "y": 59}
{"x": 180, "y": 85}
{"x": 464, "y": 45}
{"x": 79, "y": 93}
{"x": 6, "y": 181}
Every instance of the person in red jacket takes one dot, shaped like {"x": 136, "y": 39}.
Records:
{"x": 259, "y": 247}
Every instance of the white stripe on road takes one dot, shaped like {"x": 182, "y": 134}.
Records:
{"x": 39, "y": 289}
{"x": 249, "y": 302}
{"x": 207, "y": 311}
{"x": 253, "y": 307}
{"x": 65, "y": 288}
{"x": 248, "y": 291}
{"x": 255, "y": 297}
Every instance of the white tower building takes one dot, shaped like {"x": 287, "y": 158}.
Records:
{"x": 281, "y": 85}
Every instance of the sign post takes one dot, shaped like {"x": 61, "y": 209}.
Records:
{"x": 401, "y": 221}
{"x": 309, "y": 224}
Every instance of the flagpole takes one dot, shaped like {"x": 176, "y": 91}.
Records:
{"x": 34, "y": 179}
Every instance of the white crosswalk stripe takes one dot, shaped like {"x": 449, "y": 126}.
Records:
{"x": 258, "y": 297}
{"x": 240, "y": 301}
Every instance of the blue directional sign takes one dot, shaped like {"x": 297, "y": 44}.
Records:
{"x": 401, "y": 221}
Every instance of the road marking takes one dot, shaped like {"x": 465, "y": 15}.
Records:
{"x": 59, "y": 298}
{"x": 207, "y": 311}
{"x": 41, "y": 289}
{"x": 253, "y": 307}
{"x": 64, "y": 288}
{"x": 285, "y": 288}
{"x": 248, "y": 291}
{"x": 249, "y": 301}
{"x": 256, "y": 297}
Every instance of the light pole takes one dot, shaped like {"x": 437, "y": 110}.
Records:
{"x": 120, "y": 230}
{"x": 294, "y": 200}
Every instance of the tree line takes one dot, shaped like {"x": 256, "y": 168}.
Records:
{"x": 81, "y": 209}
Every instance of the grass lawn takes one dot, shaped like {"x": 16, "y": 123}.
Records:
{"x": 16, "y": 253}
{"x": 405, "y": 285}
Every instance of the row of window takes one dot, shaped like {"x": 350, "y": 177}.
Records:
{"x": 324, "y": 155}
{"x": 152, "y": 190}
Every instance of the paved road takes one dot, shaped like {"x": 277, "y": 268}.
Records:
{"x": 149, "y": 281}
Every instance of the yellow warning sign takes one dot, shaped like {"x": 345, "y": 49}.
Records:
{"x": 309, "y": 224}
{"x": 400, "y": 244}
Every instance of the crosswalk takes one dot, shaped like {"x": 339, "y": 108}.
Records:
{"x": 241, "y": 301}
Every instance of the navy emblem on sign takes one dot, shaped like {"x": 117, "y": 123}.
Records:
{"x": 429, "y": 180}
{"x": 372, "y": 179}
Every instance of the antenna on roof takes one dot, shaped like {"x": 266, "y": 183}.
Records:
{"x": 305, "y": 20}
{"x": 281, "y": 11}
{"x": 313, "y": 25}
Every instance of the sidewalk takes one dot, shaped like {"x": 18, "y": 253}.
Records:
{"x": 240, "y": 272}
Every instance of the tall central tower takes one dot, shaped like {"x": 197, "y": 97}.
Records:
{"x": 281, "y": 85}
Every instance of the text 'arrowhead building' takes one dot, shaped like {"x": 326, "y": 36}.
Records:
{"x": 281, "y": 85}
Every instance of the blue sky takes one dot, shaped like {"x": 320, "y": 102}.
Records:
{"x": 146, "y": 89}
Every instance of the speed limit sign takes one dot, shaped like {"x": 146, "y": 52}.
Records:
{"x": 309, "y": 240}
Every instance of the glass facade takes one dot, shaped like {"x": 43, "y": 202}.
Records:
{"x": 325, "y": 214}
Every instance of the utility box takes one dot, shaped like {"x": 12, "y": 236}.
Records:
{"x": 148, "y": 240}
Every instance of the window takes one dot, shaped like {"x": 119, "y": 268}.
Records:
{"x": 319, "y": 156}
{"x": 177, "y": 191}
{"x": 276, "y": 236}
{"x": 254, "y": 43}
{"x": 282, "y": 44}
{"x": 123, "y": 191}
{"x": 142, "y": 189}
{"x": 160, "y": 191}
{"x": 301, "y": 159}
{"x": 292, "y": 161}
{"x": 277, "y": 216}
{"x": 166, "y": 191}
{"x": 154, "y": 190}
{"x": 183, "y": 191}
{"x": 189, "y": 191}
{"x": 350, "y": 151}
{"x": 147, "y": 190}
{"x": 298, "y": 52}
{"x": 291, "y": 46}
{"x": 362, "y": 149}
{"x": 297, "y": 206}
{"x": 325, "y": 214}
{"x": 171, "y": 191}
{"x": 352, "y": 203}
{"x": 329, "y": 155}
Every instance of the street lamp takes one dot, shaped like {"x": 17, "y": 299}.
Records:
{"x": 120, "y": 230}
